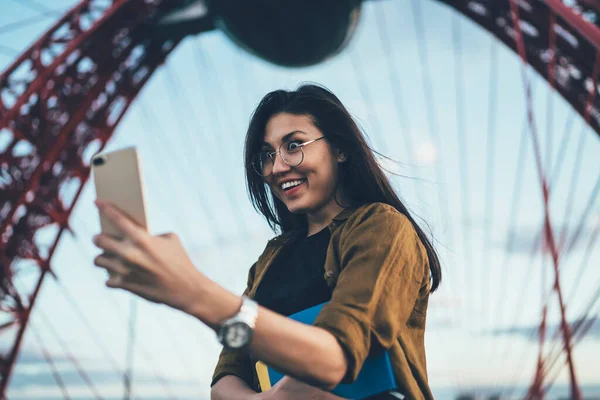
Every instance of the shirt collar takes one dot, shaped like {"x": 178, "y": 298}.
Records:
{"x": 344, "y": 214}
{"x": 337, "y": 220}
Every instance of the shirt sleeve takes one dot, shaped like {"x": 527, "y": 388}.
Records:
{"x": 383, "y": 262}
{"x": 236, "y": 362}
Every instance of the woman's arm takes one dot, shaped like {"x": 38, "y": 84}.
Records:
{"x": 231, "y": 387}
{"x": 158, "y": 269}
{"x": 305, "y": 352}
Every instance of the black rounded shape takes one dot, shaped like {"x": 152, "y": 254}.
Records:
{"x": 290, "y": 33}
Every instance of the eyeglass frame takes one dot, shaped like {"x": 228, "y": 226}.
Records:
{"x": 300, "y": 145}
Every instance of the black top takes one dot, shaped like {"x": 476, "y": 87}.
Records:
{"x": 295, "y": 280}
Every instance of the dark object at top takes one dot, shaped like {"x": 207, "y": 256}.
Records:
{"x": 291, "y": 33}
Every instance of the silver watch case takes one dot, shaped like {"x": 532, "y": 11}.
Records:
{"x": 236, "y": 332}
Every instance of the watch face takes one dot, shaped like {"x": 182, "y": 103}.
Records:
{"x": 238, "y": 335}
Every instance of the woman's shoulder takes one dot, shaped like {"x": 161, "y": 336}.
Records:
{"x": 377, "y": 222}
{"x": 377, "y": 211}
{"x": 377, "y": 207}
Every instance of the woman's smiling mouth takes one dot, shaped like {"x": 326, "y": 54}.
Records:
{"x": 291, "y": 187}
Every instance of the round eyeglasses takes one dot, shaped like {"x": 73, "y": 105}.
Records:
{"x": 291, "y": 153}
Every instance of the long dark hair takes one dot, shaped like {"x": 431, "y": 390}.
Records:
{"x": 361, "y": 177}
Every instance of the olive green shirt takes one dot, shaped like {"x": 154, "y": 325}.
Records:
{"x": 379, "y": 272}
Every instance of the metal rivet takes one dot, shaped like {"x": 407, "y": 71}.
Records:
{"x": 329, "y": 274}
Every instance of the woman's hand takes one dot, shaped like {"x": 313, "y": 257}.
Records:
{"x": 289, "y": 389}
{"x": 156, "y": 268}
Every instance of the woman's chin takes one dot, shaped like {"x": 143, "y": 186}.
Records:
{"x": 297, "y": 206}
{"x": 297, "y": 210}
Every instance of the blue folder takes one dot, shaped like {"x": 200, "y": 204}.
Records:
{"x": 375, "y": 377}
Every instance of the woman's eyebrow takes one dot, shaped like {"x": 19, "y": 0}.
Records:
{"x": 284, "y": 138}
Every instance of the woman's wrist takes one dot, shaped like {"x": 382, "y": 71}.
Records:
{"x": 213, "y": 304}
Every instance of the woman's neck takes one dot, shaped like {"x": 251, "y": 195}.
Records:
{"x": 322, "y": 218}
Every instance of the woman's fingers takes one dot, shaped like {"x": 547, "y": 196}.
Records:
{"x": 123, "y": 222}
{"x": 113, "y": 265}
{"x": 108, "y": 244}
{"x": 124, "y": 249}
{"x": 115, "y": 281}
{"x": 122, "y": 274}
{"x": 156, "y": 268}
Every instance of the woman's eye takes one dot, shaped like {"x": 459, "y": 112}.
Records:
{"x": 293, "y": 145}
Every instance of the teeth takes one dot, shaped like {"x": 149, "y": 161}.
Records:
{"x": 290, "y": 184}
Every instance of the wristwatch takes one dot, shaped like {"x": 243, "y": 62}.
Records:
{"x": 236, "y": 332}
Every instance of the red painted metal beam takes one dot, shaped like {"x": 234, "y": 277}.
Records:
{"x": 548, "y": 230}
{"x": 73, "y": 101}
{"x": 577, "y": 41}
{"x": 589, "y": 31}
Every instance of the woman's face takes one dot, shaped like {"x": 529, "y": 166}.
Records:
{"x": 318, "y": 172}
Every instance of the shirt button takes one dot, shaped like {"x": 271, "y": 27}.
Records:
{"x": 328, "y": 274}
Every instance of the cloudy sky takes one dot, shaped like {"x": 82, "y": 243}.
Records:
{"x": 188, "y": 124}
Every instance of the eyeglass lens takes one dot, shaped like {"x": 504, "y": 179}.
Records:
{"x": 291, "y": 154}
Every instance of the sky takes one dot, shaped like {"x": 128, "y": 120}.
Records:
{"x": 188, "y": 124}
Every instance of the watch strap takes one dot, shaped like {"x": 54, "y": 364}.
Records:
{"x": 248, "y": 312}
{"x": 247, "y": 315}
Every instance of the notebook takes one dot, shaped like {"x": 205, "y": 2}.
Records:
{"x": 375, "y": 377}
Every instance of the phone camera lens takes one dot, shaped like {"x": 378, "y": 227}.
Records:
{"x": 98, "y": 161}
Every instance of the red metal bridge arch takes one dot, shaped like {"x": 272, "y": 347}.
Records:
{"x": 63, "y": 97}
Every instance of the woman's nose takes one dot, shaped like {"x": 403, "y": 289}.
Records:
{"x": 279, "y": 166}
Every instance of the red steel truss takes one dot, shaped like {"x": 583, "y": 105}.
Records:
{"x": 60, "y": 100}
{"x": 563, "y": 47}
{"x": 552, "y": 33}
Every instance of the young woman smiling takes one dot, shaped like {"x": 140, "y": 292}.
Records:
{"x": 344, "y": 237}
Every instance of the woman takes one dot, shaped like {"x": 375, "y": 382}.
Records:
{"x": 346, "y": 239}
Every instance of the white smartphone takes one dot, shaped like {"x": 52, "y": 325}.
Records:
{"x": 118, "y": 180}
